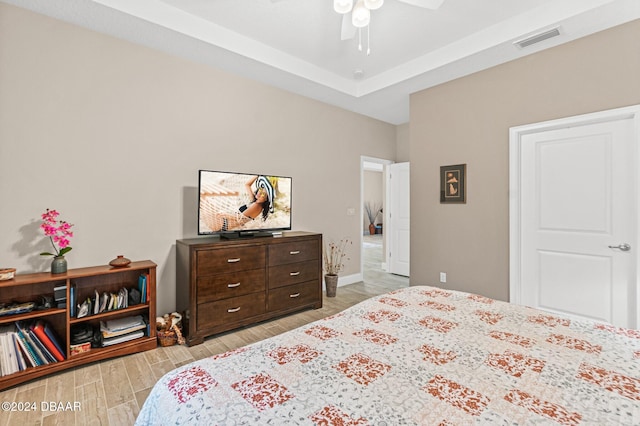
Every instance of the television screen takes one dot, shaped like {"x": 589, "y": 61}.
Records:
{"x": 238, "y": 203}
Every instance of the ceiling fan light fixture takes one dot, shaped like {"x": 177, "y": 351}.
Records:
{"x": 342, "y": 6}
{"x": 373, "y": 4}
{"x": 360, "y": 16}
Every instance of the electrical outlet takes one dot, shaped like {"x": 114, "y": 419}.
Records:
{"x": 443, "y": 277}
{"x": 351, "y": 211}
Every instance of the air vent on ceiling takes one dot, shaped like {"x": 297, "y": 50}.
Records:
{"x": 537, "y": 38}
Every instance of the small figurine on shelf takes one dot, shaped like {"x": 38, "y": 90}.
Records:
{"x": 120, "y": 262}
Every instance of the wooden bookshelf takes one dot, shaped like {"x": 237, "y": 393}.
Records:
{"x": 85, "y": 281}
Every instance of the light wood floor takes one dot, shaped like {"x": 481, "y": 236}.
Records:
{"x": 111, "y": 392}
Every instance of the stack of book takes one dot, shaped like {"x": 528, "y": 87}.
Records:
{"x": 60, "y": 296}
{"x": 24, "y": 345}
{"x": 123, "y": 329}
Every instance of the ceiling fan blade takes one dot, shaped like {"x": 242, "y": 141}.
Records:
{"x": 348, "y": 29}
{"x": 427, "y": 4}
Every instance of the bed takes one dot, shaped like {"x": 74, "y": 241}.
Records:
{"x": 415, "y": 356}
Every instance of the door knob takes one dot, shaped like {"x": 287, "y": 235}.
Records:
{"x": 623, "y": 247}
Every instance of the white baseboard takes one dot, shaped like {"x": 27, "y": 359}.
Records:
{"x": 349, "y": 279}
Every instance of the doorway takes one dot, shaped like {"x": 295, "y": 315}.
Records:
{"x": 374, "y": 246}
{"x": 573, "y": 213}
{"x": 373, "y": 239}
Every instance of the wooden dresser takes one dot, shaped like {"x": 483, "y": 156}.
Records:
{"x": 226, "y": 284}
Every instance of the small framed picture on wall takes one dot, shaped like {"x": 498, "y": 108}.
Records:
{"x": 453, "y": 182}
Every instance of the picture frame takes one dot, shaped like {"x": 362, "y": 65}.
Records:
{"x": 453, "y": 184}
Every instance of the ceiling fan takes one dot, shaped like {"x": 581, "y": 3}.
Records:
{"x": 360, "y": 15}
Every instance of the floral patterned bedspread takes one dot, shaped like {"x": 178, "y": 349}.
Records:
{"x": 416, "y": 356}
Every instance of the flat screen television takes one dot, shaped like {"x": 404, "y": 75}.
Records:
{"x": 234, "y": 205}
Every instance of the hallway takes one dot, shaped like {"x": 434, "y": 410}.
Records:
{"x": 373, "y": 257}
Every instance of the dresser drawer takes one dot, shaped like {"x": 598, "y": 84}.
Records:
{"x": 296, "y": 251}
{"x": 230, "y": 259}
{"x": 231, "y": 310}
{"x": 293, "y": 296}
{"x": 293, "y": 273}
{"x": 233, "y": 284}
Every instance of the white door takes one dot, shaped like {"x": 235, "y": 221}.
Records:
{"x": 578, "y": 216}
{"x": 397, "y": 218}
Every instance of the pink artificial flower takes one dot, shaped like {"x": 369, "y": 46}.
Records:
{"x": 48, "y": 229}
{"x": 58, "y": 232}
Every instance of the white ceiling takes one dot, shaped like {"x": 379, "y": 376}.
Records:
{"x": 295, "y": 44}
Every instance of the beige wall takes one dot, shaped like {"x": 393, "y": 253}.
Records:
{"x": 403, "y": 143}
{"x": 468, "y": 120}
{"x": 112, "y": 135}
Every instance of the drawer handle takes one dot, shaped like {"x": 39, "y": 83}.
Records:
{"x": 294, "y": 252}
{"x": 293, "y": 296}
{"x": 233, "y": 285}
{"x": 293, "y": 274}
{"x": 237, "y": 259}
{"x": 232, "y": 310}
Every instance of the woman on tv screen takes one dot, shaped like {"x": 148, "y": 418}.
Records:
{"x": 259, "y": 205}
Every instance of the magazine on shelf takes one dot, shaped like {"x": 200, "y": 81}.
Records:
{"x": 21, "y": 352}
{"x": 107, "y": 334}
{"x": 72, "y": 302}
{"x": 142, "y": 286}
{"x": 125, "y": 323}
{"x": 123, "y": 298}
{"x": 96, "y": 303}
{"x": 28, "y": 353}
{"x": 22, "y": 363}
{"x": 122, "y": 338}
{"x": 32, "y": 356}
{"x": 104, "y": 302}
{"x": 8, "y": 358}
